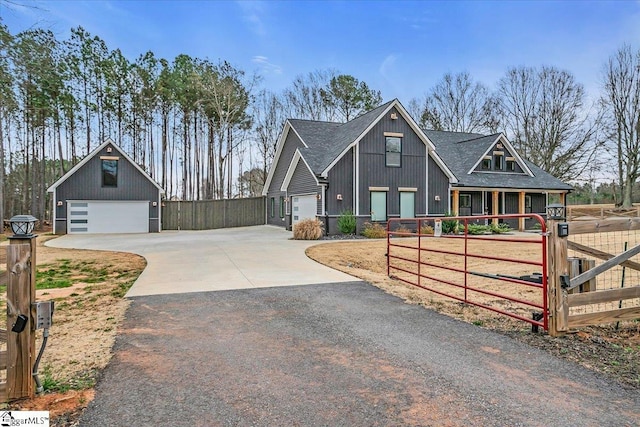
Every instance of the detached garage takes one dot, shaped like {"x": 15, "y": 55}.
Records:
{"x": 107, "y": 192}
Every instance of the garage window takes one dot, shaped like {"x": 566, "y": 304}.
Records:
{"x": 109, "y": 172}
{"x": 393, "y": 151}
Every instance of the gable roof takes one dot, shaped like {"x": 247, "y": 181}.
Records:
{"x": 460, "y": 151}
{"x": 92, "y": 155}
{"x": 325, "y": 141}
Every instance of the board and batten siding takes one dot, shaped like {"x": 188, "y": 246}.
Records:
{"x": 373, "y": 171}
{"x": 340, "y": 183}
{"x": 302, "y": 181}
{"x": 86, "y": 184}
{"x": 438, "y": 186}
{"x": 291, "y": 143}
{"x": 506, "y": 154}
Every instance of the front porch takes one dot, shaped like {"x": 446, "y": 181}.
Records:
{"x": 469, "y": 202}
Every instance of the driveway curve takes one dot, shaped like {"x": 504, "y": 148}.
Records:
{"x": 212, "y": 260}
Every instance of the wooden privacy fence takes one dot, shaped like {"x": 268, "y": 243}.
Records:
{"x": 593, "y": 277}
{"x": 211, "y": 214}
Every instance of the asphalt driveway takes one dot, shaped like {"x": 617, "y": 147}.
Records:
{"x": 342, "y": 354}
{"x": 212, "y": 260}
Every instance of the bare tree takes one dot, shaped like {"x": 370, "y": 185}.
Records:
{"x": 268, "y": 121}
{"x": 458, "y": 104}
{"x": 547, "y": 121}
{"x": 621, "y": 102}
{"x": 303, "y": 99}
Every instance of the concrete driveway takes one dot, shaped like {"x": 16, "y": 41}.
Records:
{"x": 212, "y": 260}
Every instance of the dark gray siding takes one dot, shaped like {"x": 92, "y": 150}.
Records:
{"x": 341, "y": 182}
{"x": 438, "y": 186}
{"x": 374, "y": 173}
{"x": 302, "y": 181}
{"x": 86, "y": 184}
{"x": 507, "y": 153}
{"x": 292, "y": 142}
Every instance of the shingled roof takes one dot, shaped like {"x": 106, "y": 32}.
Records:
{"x": 326, "y": 140}
{"x": 460, "y": 151}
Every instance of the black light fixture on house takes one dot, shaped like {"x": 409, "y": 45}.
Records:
{"x": 22, "y": 225}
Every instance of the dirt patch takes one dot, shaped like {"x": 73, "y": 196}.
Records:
{"x": 85, "y": 322}
{"x": 613, "y": 351}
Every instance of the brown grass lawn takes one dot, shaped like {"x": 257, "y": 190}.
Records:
{"x": 88, "y": 311}
{"x": 612, "y": 351}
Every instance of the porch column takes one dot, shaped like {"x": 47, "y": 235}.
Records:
{"x": 495, "y": 207}
{"x": 521, "y": 210}
{"x": 562, "y": 198}
{"x": 456, "y": 202}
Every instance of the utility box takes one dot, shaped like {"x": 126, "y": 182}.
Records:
{"x": 44, "y": 314}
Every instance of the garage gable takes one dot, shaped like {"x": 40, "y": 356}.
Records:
{"x": 108, "y": 174}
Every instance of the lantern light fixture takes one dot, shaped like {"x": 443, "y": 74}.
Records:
{"x": 22, "y": 225}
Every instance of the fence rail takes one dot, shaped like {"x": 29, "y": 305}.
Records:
{"x": 461, "y": 266}
{"x": 613, "y": 277}
{"x": 590, "y": 212}
{"x": 212, "y": 214}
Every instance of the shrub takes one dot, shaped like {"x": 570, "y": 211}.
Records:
{"x": 449, "y": 225}
{"x": 426, "y": 229}
{"x": 476, "y": 229}
{"x": 402, "y": 229}
{"x": 308, "y": 229}
{"x": 500, "y": 228}
{"x": 347, "y": 222}
{"x": 374, "y": 231}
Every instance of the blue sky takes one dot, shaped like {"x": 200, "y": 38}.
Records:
{"x": 400, "y": 48}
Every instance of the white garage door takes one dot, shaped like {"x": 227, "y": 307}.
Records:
{"x": 107, "y": 217}
{"x": 303, "y": 207}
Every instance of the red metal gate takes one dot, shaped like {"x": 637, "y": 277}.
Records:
{"x": 457, "y": 257}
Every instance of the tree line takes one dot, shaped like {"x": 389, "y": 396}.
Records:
{"x": 206, "y": 130}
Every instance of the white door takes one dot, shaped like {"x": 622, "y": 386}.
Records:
{"x": 378, "y": 206}
{"x": 407, "y": 204}
{"x": 303, "y": 207}
{"x": 107, "y": 217}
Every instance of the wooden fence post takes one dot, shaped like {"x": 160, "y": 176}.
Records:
{"x": 558, "y": 265}
{"x": 21, "y": 293}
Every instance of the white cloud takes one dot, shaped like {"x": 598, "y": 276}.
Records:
{"x": 253, "y": 13}
{"x": 265, "y": 65}
{"x": 387, "y": 66}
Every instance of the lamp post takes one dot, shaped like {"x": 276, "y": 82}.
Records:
{"x": 557, "y": 268}
{"x": 21, "y": 294}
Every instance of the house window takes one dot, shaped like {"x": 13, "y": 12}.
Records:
{"x": 393, "y": 151}
{"x": 527, "y": 204}
{"x": 465, "y": 200}
{"x": 378, "y": 206}
{"x": 499, "y": 162}
{"x": 109, "y": 172}
{"x": 407, "y": 204}
{"x": 511, "y": 165}
{"x": 486, "y": 163}
{"x": 281, "y": 206}
{"x": 272, "y": 207}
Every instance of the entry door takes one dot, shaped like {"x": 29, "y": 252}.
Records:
{"x": 378, "y": 206}
{"x": 407, "y": 204}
